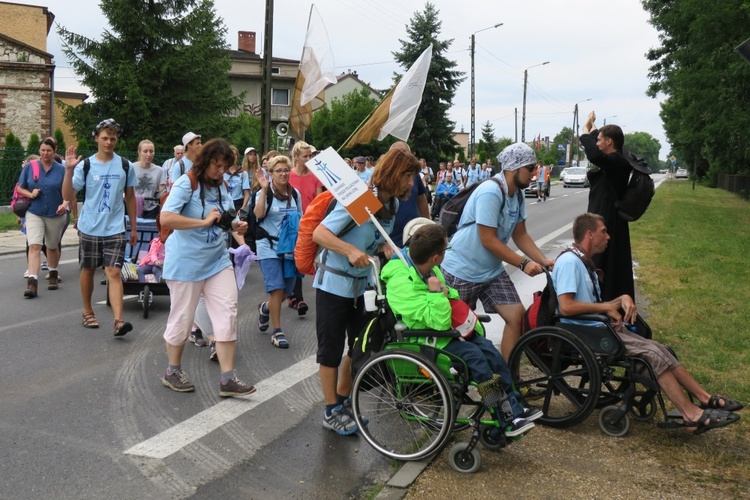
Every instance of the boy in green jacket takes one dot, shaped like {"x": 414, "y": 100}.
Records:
{"x": 419, "y": 295}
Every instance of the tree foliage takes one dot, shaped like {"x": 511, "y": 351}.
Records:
{"x": 160, "y": 70}
{"x": 487, "y": 147}
{"x": 332, "y": 126}
{"x": 60, "y": 139}
{"x": 432, "y": 134}
{"x": 706, "y": 112}
{"x": 32, "y": 148}
{"x": 645, "y": 145}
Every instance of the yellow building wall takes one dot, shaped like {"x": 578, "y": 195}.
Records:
{"x": 25, "y": 23}
{"x": 70, "y": 137}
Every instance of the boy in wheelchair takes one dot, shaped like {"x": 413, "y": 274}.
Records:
{"x": 419, "y": 296}
{"x": 577, "y": 287}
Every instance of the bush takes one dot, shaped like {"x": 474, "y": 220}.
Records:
{"x": 32, "y": 148}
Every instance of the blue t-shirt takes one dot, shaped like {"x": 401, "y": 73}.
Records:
{"x": 237, "y": 184}
{"x": 571, "y": 276}
{"x": 365, "y": 237}
{"x": 195, "y": 254}
{"x": 407, "y": 210}
{"x": 365, "y": 175}
{"x": 272, "y": 224}
{"x": 467, "y": 258}
{"x": 50, "y": 183}
{"x": 473, "y": 175}
{"x": 103, "y": 212}
{"x": 176, "y": 171}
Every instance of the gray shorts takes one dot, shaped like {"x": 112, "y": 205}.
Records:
{"x": 499, "y": 291}
{"x": 97, "y": 251}
{"x": 657, "y": 355}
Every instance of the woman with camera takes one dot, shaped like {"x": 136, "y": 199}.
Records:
{"x": 197, "y": 261}
{"x": 278, "y": 223}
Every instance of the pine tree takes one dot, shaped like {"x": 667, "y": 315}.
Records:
{"x": 32, "y": 147}
{"x": 60, "y": 138}
{"x": 160, "y": 70}
{"x": 487, "y": 147}
{"x": 432, "y": 134}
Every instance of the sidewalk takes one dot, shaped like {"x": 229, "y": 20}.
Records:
{"x": 14, "y": 241}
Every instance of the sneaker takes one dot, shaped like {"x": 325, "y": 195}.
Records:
{"x": 196, "y": 337}
{"x": 235, "y": 387}
{"x": 347, "y": 408}
{"x": 212, "y": 356}
{"x": 26, "y": 274}
{"x": 45, "y": 267}
{"x": 178, "y": 381}
{"x": 340, "y": 421}
{"x": 518, "y": 427}
{"x": 531, "y": 414}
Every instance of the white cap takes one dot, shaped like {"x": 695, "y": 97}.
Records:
{"x": 189, "y": 137}
{"x": 249, "y": 149}
{"x": 411, "y": 227}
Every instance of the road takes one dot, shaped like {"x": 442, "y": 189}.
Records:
{"x": 84, "y": 415}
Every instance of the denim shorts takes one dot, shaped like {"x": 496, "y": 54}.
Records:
{"x": 273, "y": 276}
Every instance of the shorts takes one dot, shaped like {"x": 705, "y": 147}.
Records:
{"x": 338, "y": 321}
{"x": 540, "y": 185}
{"x": 97, "y": 251}
{"x": 273, "y": 276}
{"x": 45, "y": 230}
{"x": 657, "y": 355}
{"x": 499, "y": 291}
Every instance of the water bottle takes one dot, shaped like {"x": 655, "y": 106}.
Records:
{"x": 370, "y": 296}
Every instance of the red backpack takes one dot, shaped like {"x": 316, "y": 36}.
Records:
{"x": 18, "y": 202}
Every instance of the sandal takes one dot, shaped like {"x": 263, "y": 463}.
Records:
{"x": 716, "y": 418}
{"x": 300, "y": 305}
{"x": 89, "y": 320}
{"x": 714, "y": 403}
{"x": 278, "y": 340}
{"x": 263, "y": 317}
{"x": 122, "y": 327}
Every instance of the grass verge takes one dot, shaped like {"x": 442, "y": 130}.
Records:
{"x": 8, "y": 222}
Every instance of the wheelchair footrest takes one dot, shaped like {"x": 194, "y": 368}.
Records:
{"x": 670, "y": 424}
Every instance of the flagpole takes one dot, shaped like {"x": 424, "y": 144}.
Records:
{"x": 365, "y": 120}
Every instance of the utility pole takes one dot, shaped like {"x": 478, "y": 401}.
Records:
{"x": 516, "y": 112}
{"x": 523, "y": 114}
{"x": 265, "y": 97}
{"x": 472, "y": 136}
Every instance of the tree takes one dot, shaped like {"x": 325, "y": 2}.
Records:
{"x": 245, "y": 131}
{"x": 161, "y": 70}
{"x": 487, "y": 147}
{"x": 645, "y": 145}
{"x": 60, "y": 139}
{"x": 432, "y": 134}
{"x": 332, "y": 126}
{"x": 706, "y": 111}
{"x": 32, "y": 148}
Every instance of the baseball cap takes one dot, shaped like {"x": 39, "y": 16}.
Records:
{"x": 411, "y": 227}
{"x": 463, "y": 319}
{"x": 249, "y": 149}
{"x": 187, "y": 138}
{"x": 359, "y": 159}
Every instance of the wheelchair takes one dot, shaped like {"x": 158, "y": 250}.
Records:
{"x": 569, "y": 370}
{"x": 410, "y": 397}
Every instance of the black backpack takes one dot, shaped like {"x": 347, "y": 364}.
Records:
{"x": 450, "y": 214}
{"x": 640, "y": 190}
{"x": 370, "y": 341}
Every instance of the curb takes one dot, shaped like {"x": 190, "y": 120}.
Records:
{"x": 12, "y": 251}
{"x": 396, "y": 487}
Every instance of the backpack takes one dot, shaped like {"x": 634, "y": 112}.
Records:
{"x": 543, "y": 307}
{"x": 164, "y": 231}
{"x": 640, "y": 190}
{"x": 306, "y": 250}
{"x": 87, "y": 167}
{"x": 18, "y": 202}
{"x": 450, "y": 214}
{"x": 369, "y": 342}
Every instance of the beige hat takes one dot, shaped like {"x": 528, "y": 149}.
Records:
{"x": 411, "y": 227}
{"x": 187, "y": 138}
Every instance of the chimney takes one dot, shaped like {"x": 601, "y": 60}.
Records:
{"x": 246, "y": 41}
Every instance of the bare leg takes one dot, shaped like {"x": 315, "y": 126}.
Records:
{"x": 345, "y": 377}
{"x": 690, "y": 384}
{"x": 87, "y": 288}
{"x": 174, "y": 353}
{"x": 34, "y": 259}
{"x": 114, "y": 283}
{"x": 671, "y": 386}
{"x": 53, "y": 256}
{"x": 275, "y": 300}
{"x": 512, "y": 314}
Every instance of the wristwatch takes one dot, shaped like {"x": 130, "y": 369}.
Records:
{"x": 523, "y": 263}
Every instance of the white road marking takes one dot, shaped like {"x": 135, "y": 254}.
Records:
{"x": 68, "y": 261}
{"x": 126, "y": 297}
{"x": 177, "y": 437}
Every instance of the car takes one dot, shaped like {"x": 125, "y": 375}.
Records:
{"x": 681, "y": 174}
{"x": 531, "y": 190}
{"x": 576, "y": 176}
{"x": 663, "y": 171}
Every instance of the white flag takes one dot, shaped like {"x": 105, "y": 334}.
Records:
{"x": 316, "y": 65}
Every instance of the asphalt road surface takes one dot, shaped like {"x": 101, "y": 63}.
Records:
{"x": 84, "y": 414}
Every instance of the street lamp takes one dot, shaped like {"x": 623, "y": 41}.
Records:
{"x": 613, "y": 116}
{"x": 525, "y": 81}
{"x": 575, "y": 130}
{"x": 472, "y": 140}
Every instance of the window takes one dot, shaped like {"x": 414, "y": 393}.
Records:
{"x": 275, "y": 70}
{"x": 280, "y": 97}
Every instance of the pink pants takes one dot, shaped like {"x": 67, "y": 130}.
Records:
{"x": 220, "y": 295}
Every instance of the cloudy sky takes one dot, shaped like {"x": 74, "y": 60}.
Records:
{"x": 595, "y": 48}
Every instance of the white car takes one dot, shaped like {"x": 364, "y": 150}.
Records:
{"x": 681, "y": 174}
{"x": 575, "y": 176}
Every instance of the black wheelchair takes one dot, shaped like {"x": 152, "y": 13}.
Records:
{"x": 410, "y": 397}
{"x": 568, "y": 370}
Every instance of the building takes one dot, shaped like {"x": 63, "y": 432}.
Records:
{"x": 462, "y": 138}
{"x": 347, "y": 83}
{"x": 26, "y": 71}
{"x": 63, "y": 99}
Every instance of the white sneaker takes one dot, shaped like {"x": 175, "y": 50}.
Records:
{"x": 26, "y": 274}
{"x": 45, "y": 267}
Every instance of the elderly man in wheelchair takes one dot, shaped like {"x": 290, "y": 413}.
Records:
{"x": 577, "y": 287}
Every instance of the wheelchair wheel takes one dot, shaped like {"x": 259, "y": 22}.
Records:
{"x": 643, "y": 406}
{"x": 492, "y": 440}
{"x": 403, "y": 405}
{"x": 557, "y": 373}
{"x": 609, "y": 423}
{"x": 462, "y": 461}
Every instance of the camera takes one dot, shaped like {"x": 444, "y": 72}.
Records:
{"x": 225, "y": 222}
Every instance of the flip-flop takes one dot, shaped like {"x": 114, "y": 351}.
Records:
{"x": 263, "y": 317}
{"x": 278, "y": 340}
{"x": 714, "y": 402}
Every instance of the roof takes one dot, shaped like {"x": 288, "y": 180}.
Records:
{"x": 252, "y": 56}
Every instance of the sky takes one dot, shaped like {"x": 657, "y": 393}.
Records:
{"x": 595, "y": 48}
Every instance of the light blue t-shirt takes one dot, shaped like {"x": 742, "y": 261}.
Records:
{"x": 571, "y": 276}
{"x": 473, "y": 175}
{"x": 272, "y": 224}
{"x": 103, "y": 212}
{"x": 467, "y": 258}
{"x": 365, "y": 175}
{"x": 237, "y": 184}
{"x": 176, "y": 171}
{"x": 365, "y": 237}
{"x": 195, "y": 254}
